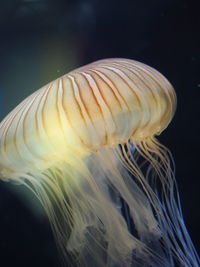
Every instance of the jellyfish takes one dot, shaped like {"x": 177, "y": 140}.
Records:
{"x": 86, "y": 145}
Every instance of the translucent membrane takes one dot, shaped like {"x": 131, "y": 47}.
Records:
{"x": 85, "y": 146}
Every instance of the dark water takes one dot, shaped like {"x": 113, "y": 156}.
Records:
{"x": 42, "y": 40}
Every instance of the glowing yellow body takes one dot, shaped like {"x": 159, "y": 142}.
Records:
{"x": 78, "y": 142}
{"x": 102, "y": 104}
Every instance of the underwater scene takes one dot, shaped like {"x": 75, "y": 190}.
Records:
{"x": 99, "y": 140}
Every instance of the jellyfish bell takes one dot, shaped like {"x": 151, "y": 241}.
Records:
{"x": 88, "y": 108}
{"x": 85, "y": 145}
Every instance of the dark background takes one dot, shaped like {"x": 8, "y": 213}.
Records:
{"x": 42, "y": 40}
